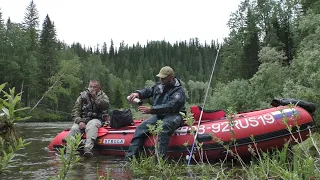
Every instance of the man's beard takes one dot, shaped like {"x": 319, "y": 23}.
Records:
{"x": 165, "y": 87}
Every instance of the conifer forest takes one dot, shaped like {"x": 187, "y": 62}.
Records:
{"x": 272, "y": 51}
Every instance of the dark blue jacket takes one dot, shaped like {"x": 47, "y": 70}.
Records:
{"x": 166, "y": 100}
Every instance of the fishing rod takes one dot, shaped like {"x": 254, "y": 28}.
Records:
{"x": 205, "y": 98}
{"x": 50, "y": 88}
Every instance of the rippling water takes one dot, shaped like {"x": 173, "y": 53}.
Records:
{"x": 37, "y": 162}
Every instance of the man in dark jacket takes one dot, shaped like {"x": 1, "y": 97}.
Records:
{"x": 168, "y": 100}
{"x": 88, "y": 114}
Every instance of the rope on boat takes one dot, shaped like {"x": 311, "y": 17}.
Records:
{"x": 205, "y": 98}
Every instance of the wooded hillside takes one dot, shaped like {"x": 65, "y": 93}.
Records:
{"x": 272, "y": 51}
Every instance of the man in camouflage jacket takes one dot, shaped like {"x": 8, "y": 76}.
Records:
{"x": 89, "y": 113}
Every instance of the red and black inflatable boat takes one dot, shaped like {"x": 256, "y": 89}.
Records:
{"x": 266, "y": 125}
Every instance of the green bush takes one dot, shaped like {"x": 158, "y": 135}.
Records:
{"x": 237, "y": 94}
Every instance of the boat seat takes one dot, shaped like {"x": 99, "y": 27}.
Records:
{"x": 207, "y": 114}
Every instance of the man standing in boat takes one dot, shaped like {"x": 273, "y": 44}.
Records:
{"x": 88, "y": 114}
{"x": 168, "y": 100}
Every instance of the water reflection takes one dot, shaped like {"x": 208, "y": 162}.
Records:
{"x": 105, "y": 166}
{"x": 37, "y": 162}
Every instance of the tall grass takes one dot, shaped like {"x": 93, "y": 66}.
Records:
{"x": 301, "y": 161}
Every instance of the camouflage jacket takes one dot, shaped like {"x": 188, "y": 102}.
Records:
{"x": 87, "y": 108}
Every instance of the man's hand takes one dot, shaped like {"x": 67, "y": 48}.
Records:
{"x": 94, "y": 88}
{"x": 133, "y": 96}
{"x": 98, "y": 125}
{"x": 144, "y": 109}
{"x": 92, "y": 93}
{"x": 82, "y": 125}
{"x": 92, "y": 114}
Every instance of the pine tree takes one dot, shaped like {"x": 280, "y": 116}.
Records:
{"x": 119, "y": 96}
{"x": 286, "y": 31}
{"x": 2, "y": 28}
{"x": 30, "y": 24}
{"x": 2, "y": 46}
{"x": 30, "y": 62}
{"x": 251, "y": 47}
{"x": 311, "y": 4}
{"x": 48, "y": 62}
{"x": 97, "y": 50}
{"x": 2, "y": 36}
{"x": 111, "y": 50}
{"x": 104, "y": 54}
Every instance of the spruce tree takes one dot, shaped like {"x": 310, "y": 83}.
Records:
{"x": 2, "y": 37}
{"x": 30, "y": 63}
{"x": 2, "y": 46}
{"x": 31, "y": 24}
{"x": 48, "y": 62}
{"x": 104, "y": 53}
{"x": 251, "y": 46}
{"x": 111, "y": 50}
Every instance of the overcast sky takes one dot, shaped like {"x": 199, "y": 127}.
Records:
{"x": 93, "y": 22}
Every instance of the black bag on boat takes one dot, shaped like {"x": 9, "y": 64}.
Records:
{"x": 120, "y": 118}
{"x": 310, "y": 107}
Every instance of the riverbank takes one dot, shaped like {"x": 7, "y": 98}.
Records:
{"x": 37, "y": 162}
{"x": 301, "y": 161}
{"x": 41, "y": 115}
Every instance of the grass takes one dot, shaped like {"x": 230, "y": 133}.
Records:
{"x": 288, "y": 163}
{"x": 301, "y": 161}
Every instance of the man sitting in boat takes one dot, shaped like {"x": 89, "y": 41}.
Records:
{"x": 88, "y": 114}
{"x": 168, "y": 100}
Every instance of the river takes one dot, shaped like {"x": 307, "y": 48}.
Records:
{"x": 37, "y": 162}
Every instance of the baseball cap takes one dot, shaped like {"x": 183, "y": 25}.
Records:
{"x": 165, "y": 71}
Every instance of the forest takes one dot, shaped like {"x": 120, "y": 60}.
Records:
{"x": 272, "y": 51}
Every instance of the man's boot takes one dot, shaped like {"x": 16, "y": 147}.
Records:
{"x": 87, "y": 152}
{"x": 88, "y": 148}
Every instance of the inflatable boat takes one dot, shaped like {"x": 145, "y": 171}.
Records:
{"x": 268, "y": 128}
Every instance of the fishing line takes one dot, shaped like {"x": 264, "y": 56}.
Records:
{"x": 205, "y": 98}
{"x": 50, "y": 88}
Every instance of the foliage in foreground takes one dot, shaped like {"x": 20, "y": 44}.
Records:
{"x": 8, "y": 105}
{"x": 279, "y": 164}
{"x": 9, "y": 141}
{"x": 8, "y": 153}
{"x": 68, "y": 157}
{"x": 301, "y": 161}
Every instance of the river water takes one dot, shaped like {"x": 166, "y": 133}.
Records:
{"x": 37, "y": 162}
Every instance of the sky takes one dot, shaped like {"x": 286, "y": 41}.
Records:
{"x": 93, "y": 22}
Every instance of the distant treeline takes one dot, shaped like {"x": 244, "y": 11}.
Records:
{"x": 272, "y": 51}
